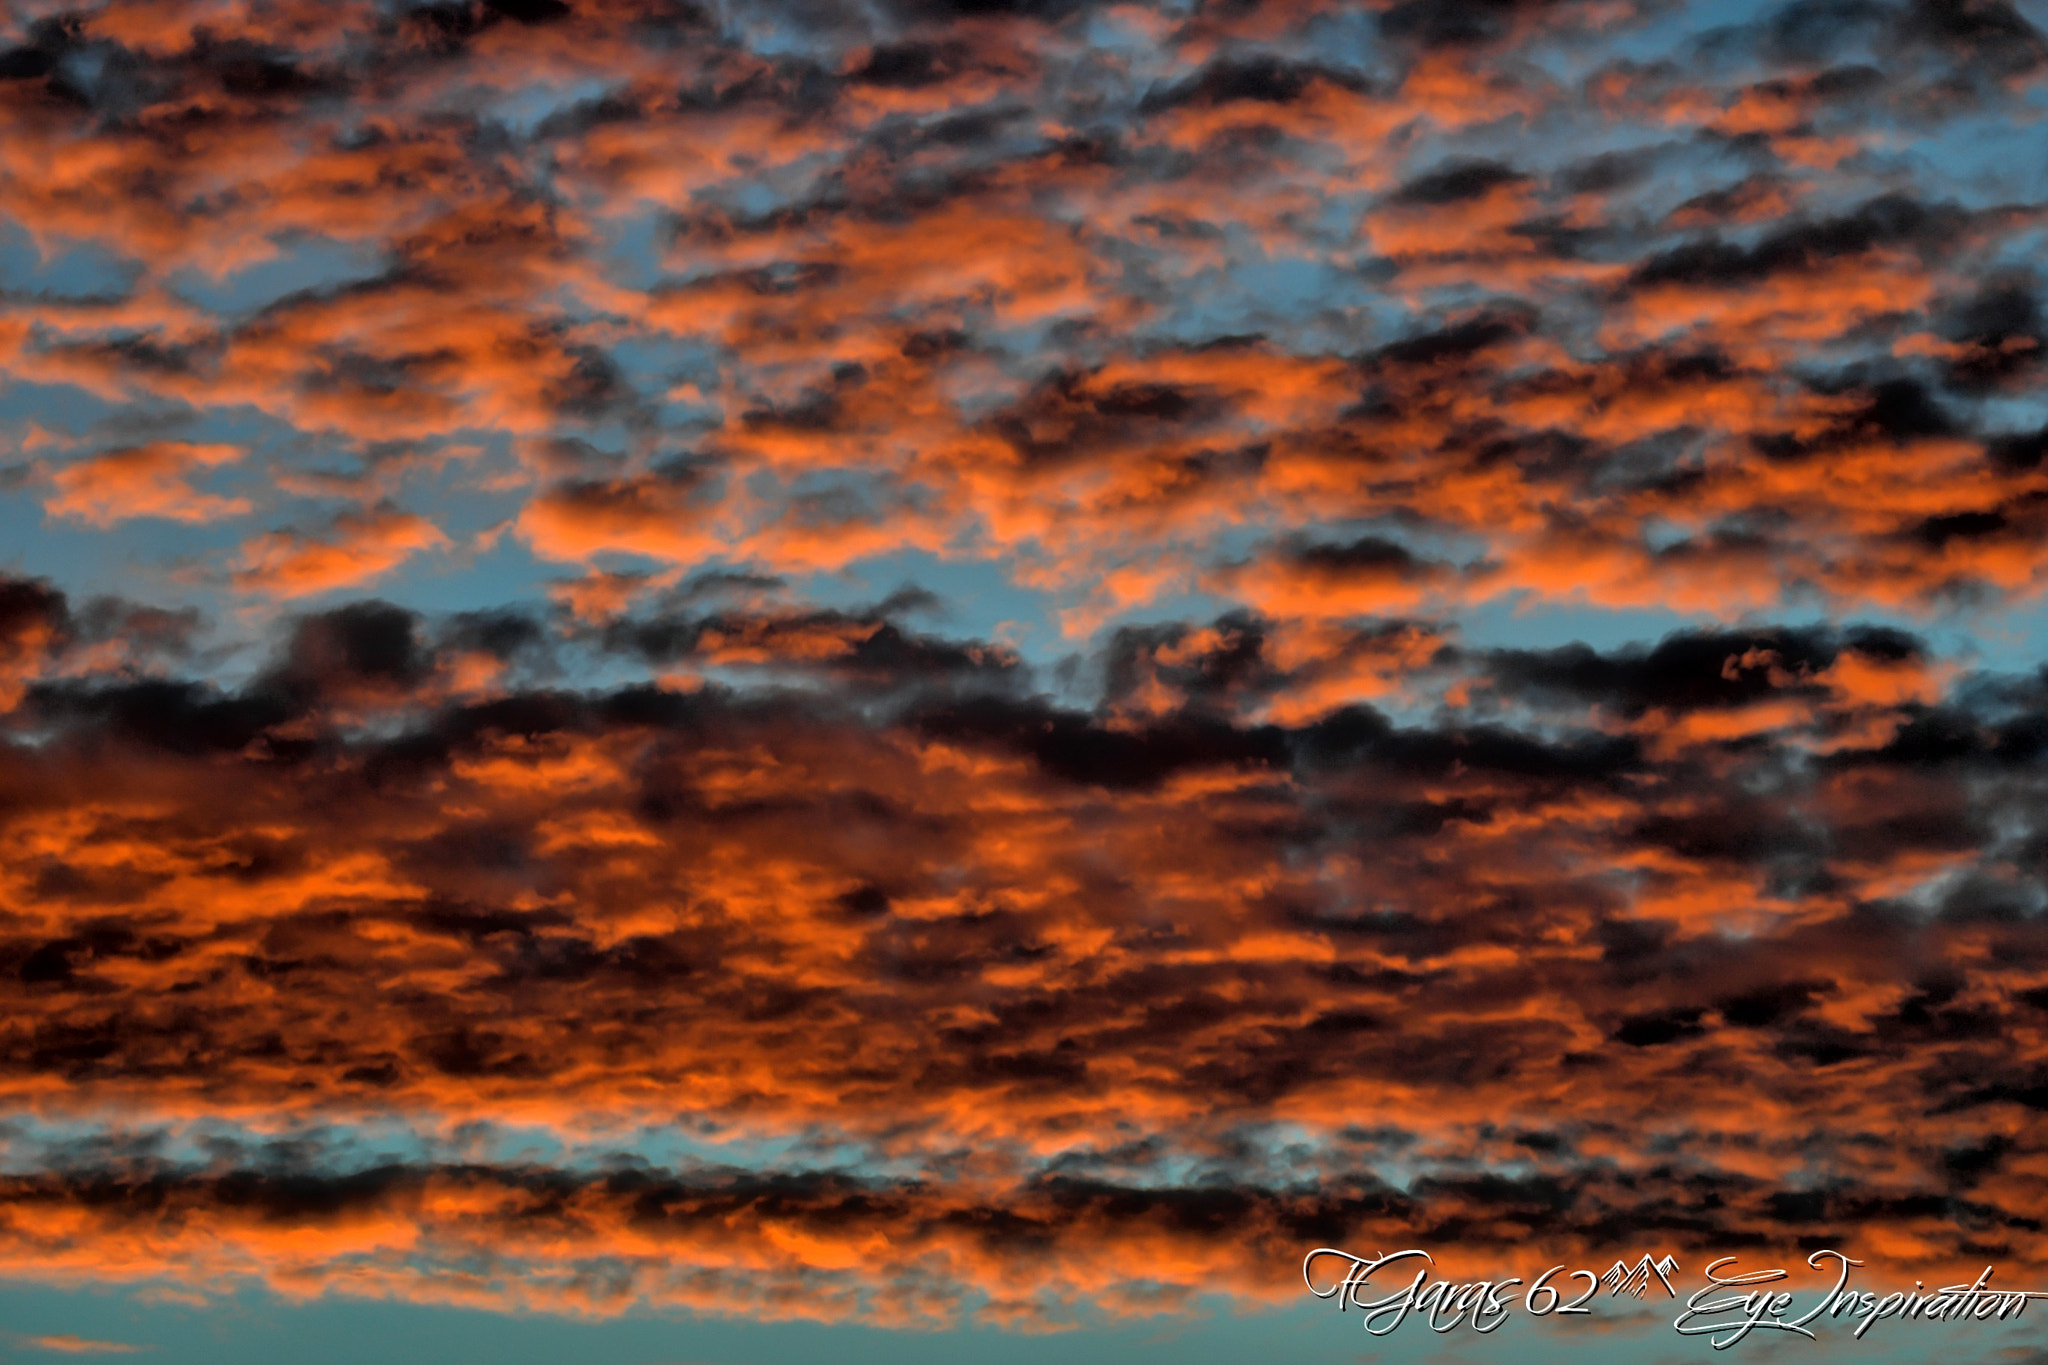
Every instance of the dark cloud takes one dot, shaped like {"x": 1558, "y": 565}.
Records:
{"x": 2001, "y": 334}
{"x": 1896, "y": 410}
{"x": 859, "y": 648}
{"x": 1456, "y": 182}
{"x": 1263, "y": 80}
{"x": 364, "y": 644}
{"x": 1459, "y": 341}
{"x": 1456, "y": 23}
{"x": 1369, "y": 554}
{"x": 941, "y": 11}
{"x": 912, "y": 65}
{"x": 1891, "y": 220}
{"x": 504, "y": 633}
{"x": 529, "y": 11}
{"x": 31, "y": 609}
{"x": 1683, "y": 672}
{"x": 1814, "y": 30}
{"x": 1989, "y": 35}
{"x": 1607, "y": 172}
{"x": 180, "y": 717}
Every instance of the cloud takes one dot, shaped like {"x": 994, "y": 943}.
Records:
{"x": 919, "y": 905}
{"x": 661, "y": 515}
{"x": 66, "y": 1344}
{"x": 851, "y": 648}
{"x": 1561, "y": 355}
{"x": 1513, "y": 524}
{"x": 35, "y": 620}
{"x": 143, "y": 481}
{"x": 1368, "y": 576}
{"x": 354, "y": 548}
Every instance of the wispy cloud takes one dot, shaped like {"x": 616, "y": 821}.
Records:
{"x": 70, "y": 1345}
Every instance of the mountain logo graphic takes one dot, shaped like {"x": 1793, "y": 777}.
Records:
{"x": 1633, "y": 1280}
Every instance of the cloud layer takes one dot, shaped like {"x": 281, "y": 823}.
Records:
{"x": 502, "y": 411}
{"x": 1052, "y": 983}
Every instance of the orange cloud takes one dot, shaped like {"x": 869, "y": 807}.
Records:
{"x": 66, "y": 1344}
{"x": 355, "y": 548}
{"x": 650, "y": 515}
{"x": 143, "y": 481}
{"x": 929, "y": 912}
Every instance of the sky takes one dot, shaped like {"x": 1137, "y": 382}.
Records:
{"x": 884, "y": 679}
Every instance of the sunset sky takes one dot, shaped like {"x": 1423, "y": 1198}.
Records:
{"x": 915, "y": 680}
